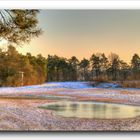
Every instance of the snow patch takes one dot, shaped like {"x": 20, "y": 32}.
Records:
{"x": 45, "y": 87}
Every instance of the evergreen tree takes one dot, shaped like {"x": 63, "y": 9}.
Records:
{"x": 74, "y": 67}
{"x": 124, "y": 70}
{"x": 114, "y": 65}
{"x": 19, "y": 26}
{"x": 135, "y": 64}
{"x": 96, "y": 65}
{"x": 84, "y": 65}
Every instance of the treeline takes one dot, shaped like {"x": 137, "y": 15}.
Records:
{"x": 98, "y": 67}
{"x": 13, "y": 65}
{"x": 17, "y": 69}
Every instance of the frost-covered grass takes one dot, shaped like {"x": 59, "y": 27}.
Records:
{"x": 54, "y": 86}
{"x": 23, "y": 114}
{"x": 57, "y": 85}
{"x": 45, "y": 87}
{"x": 26, "y": 116}
{"x": 73, "y": 91}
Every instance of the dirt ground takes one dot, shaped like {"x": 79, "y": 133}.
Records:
{"x": 22, "y": 114}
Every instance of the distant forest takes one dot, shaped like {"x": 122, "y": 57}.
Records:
{"x": 17, "y": 69}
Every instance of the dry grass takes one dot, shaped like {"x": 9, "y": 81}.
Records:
{"x": 130, "y": 84}
{"x": 101, "y": 79}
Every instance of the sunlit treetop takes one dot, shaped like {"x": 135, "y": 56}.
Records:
{"x": 19, "y": 26}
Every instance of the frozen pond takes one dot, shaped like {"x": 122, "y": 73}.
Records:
{"x": 93, "y": 110}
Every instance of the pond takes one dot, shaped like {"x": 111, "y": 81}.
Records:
{"x": 94, "y": 110}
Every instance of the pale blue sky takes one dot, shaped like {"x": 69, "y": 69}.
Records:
{"x": 83, "y": 32}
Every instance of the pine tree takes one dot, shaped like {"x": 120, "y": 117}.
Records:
{"x": 19, "y": 26}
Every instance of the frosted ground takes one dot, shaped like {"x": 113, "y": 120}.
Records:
{"x": 54, "y": 85}
{"x": 79, "y": 90}
{"x": 19, "y": 106}
{"x": 46, "y": 87}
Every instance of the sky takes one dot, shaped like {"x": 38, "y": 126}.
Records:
{"x": 81, "y": 33}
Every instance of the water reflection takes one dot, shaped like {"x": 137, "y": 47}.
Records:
{"x": 73, "y": 107}
{"x": 93, "y": 110}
